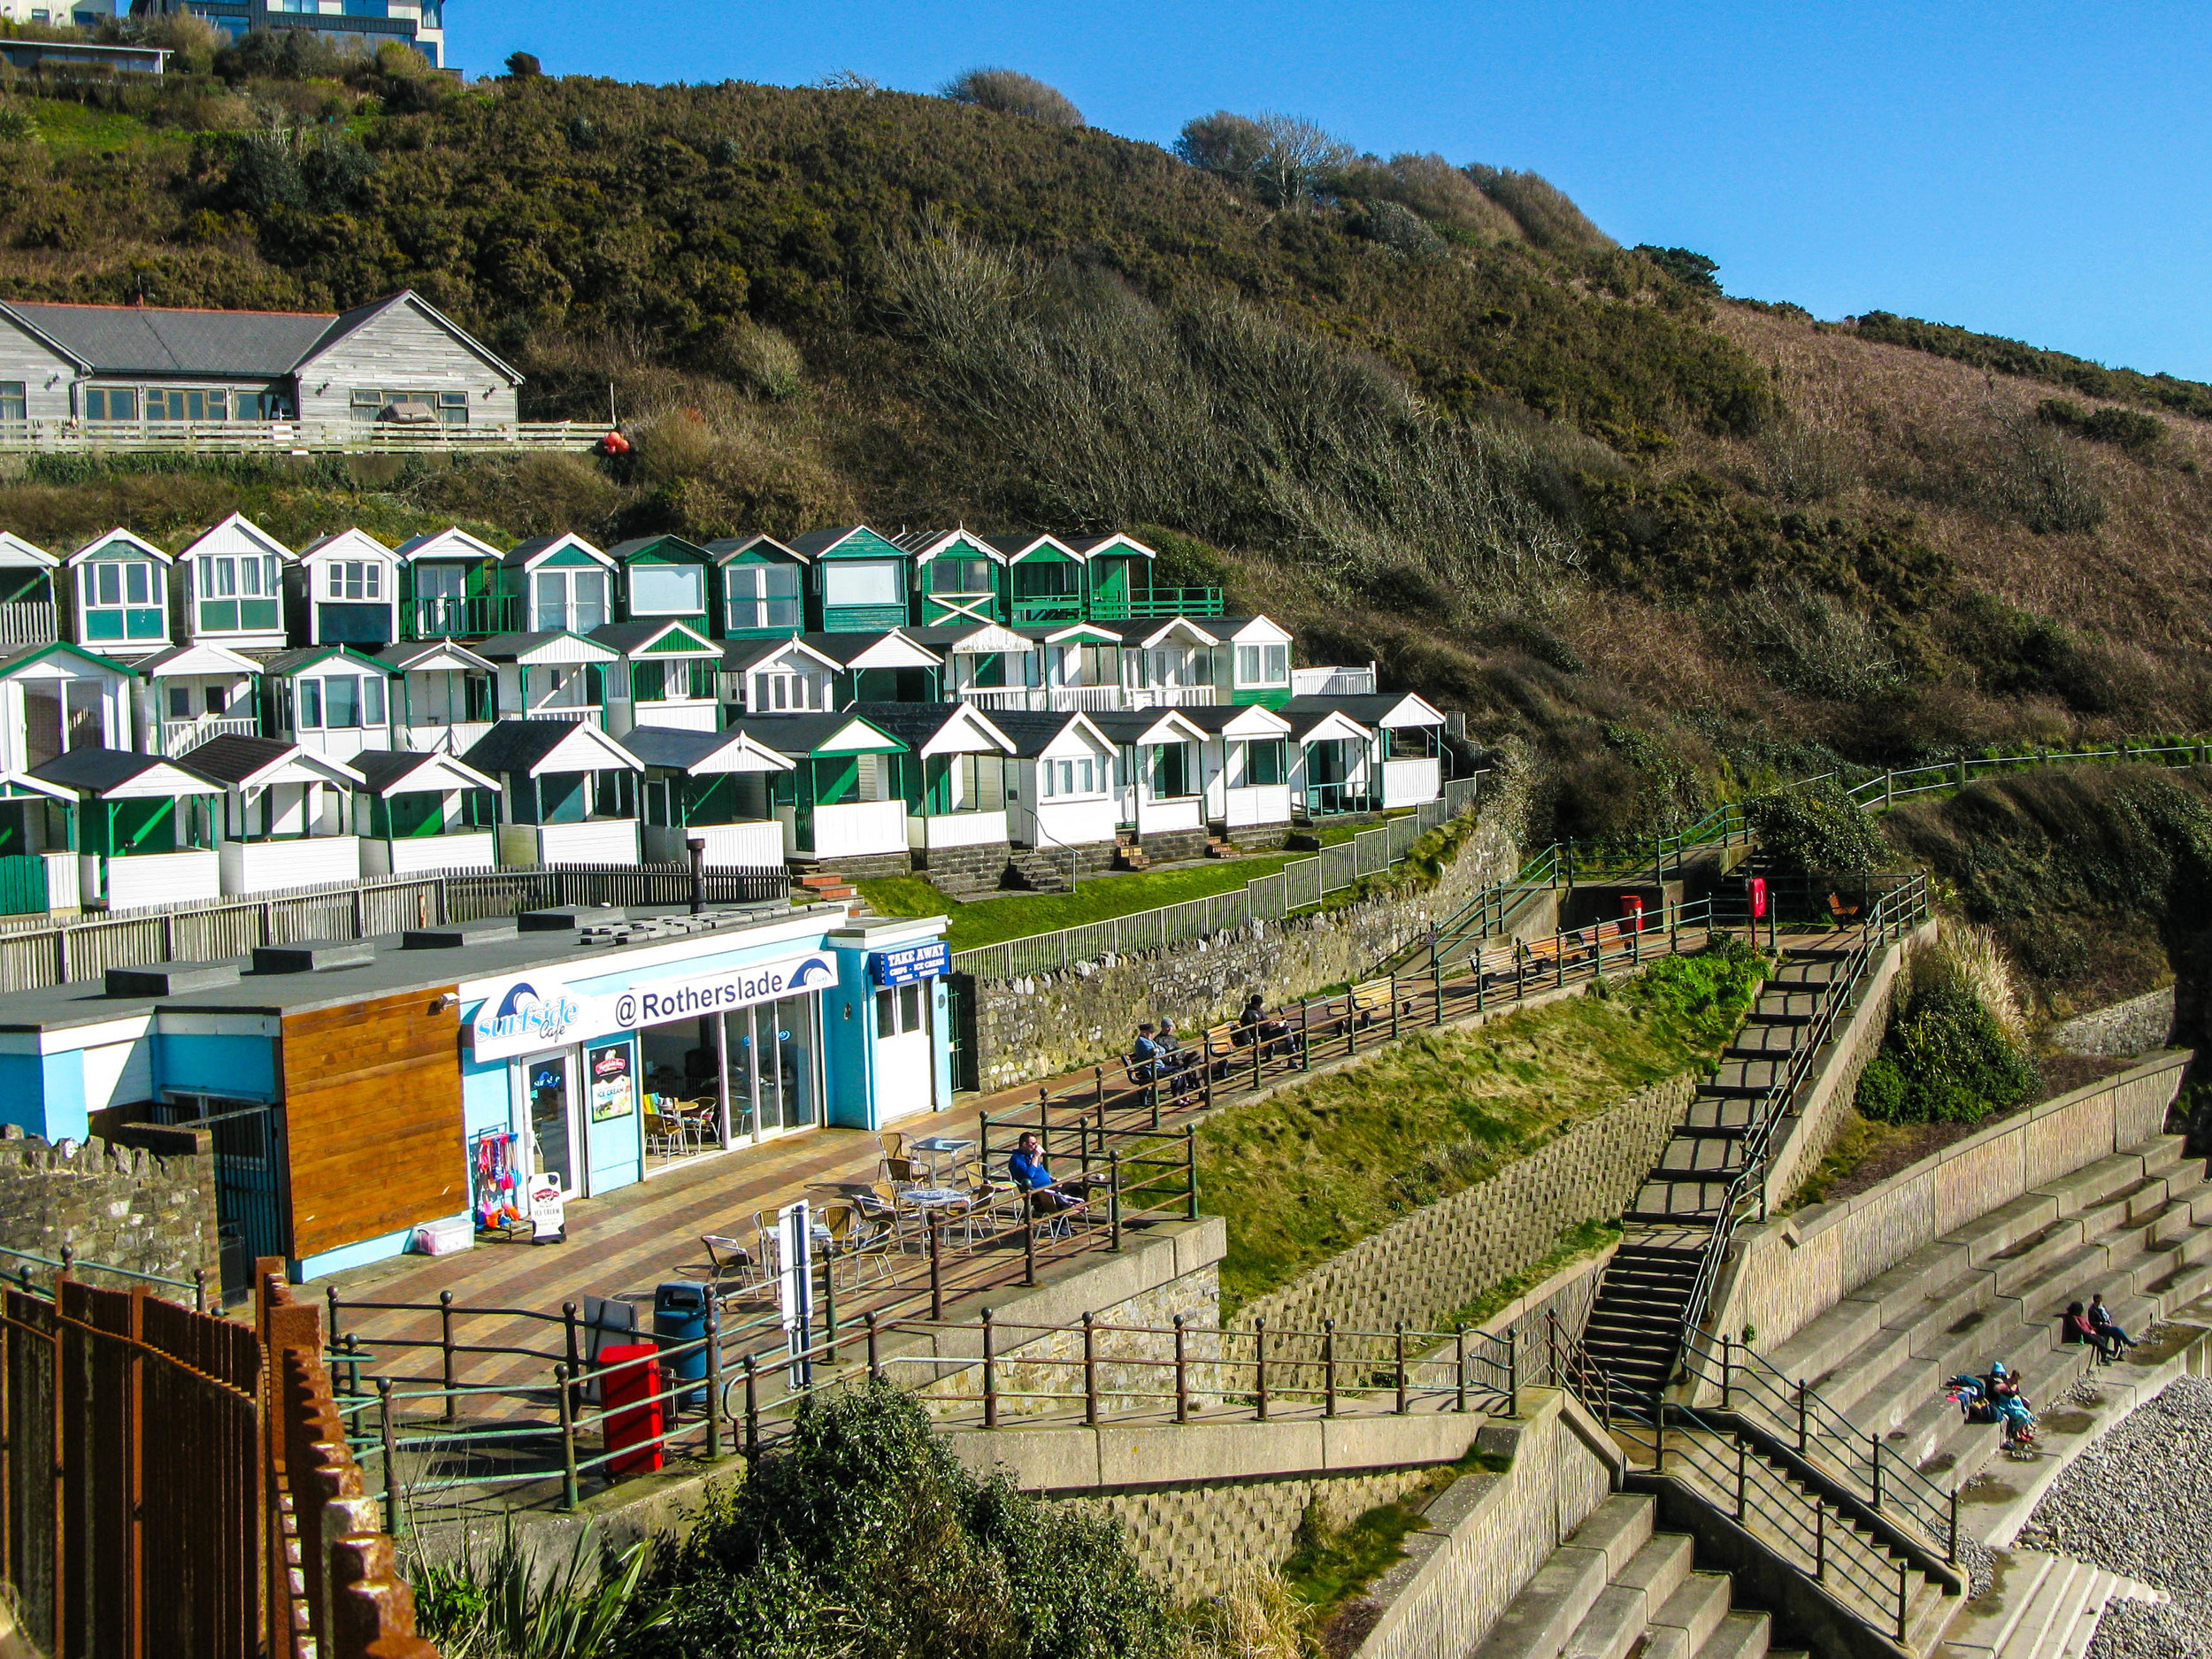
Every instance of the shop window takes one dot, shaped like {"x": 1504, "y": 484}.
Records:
{"x": 762, "y": 595}
{"x": 110, "y": 403}
{"x": 574, "y": 600}
{"x": 1263, "y": 665}
{"x": 341, "y": 703}
{"x": 450, "y": 409}
{"x": 237, "y": 591}
{"x": 775, "y": 693}
{"x": 668, "y": 590}
{"x": 177, "y": 402}
{"x": 353, "y": 578}
{"x": 959, "y": 576}
{"x": 122, "y": 601}
{"x": 899, "y": 1009}
{"x": 862, "y": 582}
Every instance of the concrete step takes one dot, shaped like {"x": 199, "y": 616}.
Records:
{"x": 1686, "y": 1620}
{"x": 1742, "y": 1635}
{"x": 1554, "y": 1603}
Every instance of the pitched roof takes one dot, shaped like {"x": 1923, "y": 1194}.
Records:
{"x": 526, "y": 746}
{"x": 430, "y": 655}
{"x": 307, "y": 655}
{"x": 159, "y": 340}
{"x": 384, "y": 769}
{"x": 1382, "y": 708}
{"x": 1217, "y": 718}
{"x": 1031, "y": 732}
{"x": 103, "y": 771}
{"x": 704, "y": 752}
{"x": 1139, "y": 725}
{"x": 626, "y": 637}
{"x": 347, "y": 322}
{"x": 1317, "y": 723}
{"x": 237, "y": 759}
{"x": 639, "y": 543}
{"x": 541, "y": 647}
{"x": 963, "y": 728}
{"x": 740, "y": 655}
{"x": 730, "y": 547}
{"x": 799, "y": 735}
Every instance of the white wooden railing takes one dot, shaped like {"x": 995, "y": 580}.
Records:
{"x": 1089, "y": 699}
{"x": 1333, "y": 682}
{"x": 181, "y": 737}
{"x": 294, "y": 437}
{"x": 26, "y": 622}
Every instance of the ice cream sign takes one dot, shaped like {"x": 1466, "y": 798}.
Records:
{"x": 523, "y": 1015}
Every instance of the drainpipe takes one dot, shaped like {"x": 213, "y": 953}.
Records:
{"x": 697, "y": 847}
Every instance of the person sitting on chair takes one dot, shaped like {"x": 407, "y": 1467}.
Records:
{"x": 1031, "y": 1174}
{"x": 2100, "y": 1320}
{"x": 2075, "y": 1327}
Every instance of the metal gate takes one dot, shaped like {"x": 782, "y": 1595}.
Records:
{"x": 960, "y": 998}
{"x": 250, "y": 1186}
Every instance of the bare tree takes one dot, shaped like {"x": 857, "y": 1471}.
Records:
{"x": 1284, "y": 159}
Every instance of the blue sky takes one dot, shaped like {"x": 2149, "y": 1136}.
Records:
{"x": 2025, "y": 169}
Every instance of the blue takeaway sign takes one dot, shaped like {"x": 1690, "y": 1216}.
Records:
{"x": 910, "y": 962}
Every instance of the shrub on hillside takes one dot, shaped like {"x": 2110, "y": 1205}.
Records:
{"x": 864, "y": 1537}
{"x": 1282, "y": 159}
{"x": 1817, "y": 831}
{"x": 1956, "y": 1049}
{"x": 2130, "y": 429}
{"x": 1011, "y": 93}
{"x": 1693, "y": 270}
{"x": 1543, "y": 211}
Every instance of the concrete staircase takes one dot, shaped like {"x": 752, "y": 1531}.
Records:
{"x": 1635, "y": 1324}
{"x": 1129, "y": 852}
{"x": 1035, "y": 871}
{"x": 2038, "y": 1606}
{"x": 1619, "y": 1589}
{"x": 2127, "y": 1225}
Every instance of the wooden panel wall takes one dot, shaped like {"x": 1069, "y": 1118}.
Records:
{"x": 373, "y": 1120}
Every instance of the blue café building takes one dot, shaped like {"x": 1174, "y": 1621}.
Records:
{"x": 357, "y": 1091}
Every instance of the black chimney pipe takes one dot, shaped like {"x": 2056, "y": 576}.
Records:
{"x": 697, "y": 848}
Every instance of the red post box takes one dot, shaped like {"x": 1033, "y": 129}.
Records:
{"x": 1632, "y": 911}
{"x": 630, "y": 1392}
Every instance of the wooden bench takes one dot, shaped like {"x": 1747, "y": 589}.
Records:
{"x": 1370, "y": 998}
{"x": 1844, "y": 914}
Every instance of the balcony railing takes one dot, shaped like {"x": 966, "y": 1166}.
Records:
{"x": 181, "y": 737}
{"x": 478, "y": 615}
{"x": 1089, "y": 699}
{"x": 1333, "y": 682}
{"x": 1048, "y": 607}
{"x": 26, "y": 622}
{"x": 1156, "y": 603}
{"x": 294, "y": 437}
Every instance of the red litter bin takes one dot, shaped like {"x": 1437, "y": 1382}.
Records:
{"x": 630, "y": 1393}
{"x": 1632, "y": 911}
{"x": 1758, "y": 897}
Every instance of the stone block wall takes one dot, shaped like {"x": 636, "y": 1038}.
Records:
{"x": 965, "y": 869}
{"x": 1195, "y": 1540}
{"x": 2135, "y": 1026}
{"x": 1423, "y": 1266}
{"x": 1039, "y": 1026}
{"x": 1783, "y": 1274}
{"x": 122, "y": 1206}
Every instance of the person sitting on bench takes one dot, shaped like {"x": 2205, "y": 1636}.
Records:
{"x": 1146, "y": 1054}
{"x": 2100, "y": 1320}
{"x": 1253, "y": 1026}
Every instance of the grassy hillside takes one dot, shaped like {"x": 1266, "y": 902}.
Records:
{"x": 1423, "y": 414}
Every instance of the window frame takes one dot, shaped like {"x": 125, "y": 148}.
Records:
{"x": 697, "y": 573}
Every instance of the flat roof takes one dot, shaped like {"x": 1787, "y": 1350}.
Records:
{"x": 393, "y": 971}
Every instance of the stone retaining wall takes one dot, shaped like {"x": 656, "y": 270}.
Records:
{"x": 1195, "y": 1540}
{"x": 1487, "y": 1537}
{"x": 1424, "y": 1267}
{"x": 119, "y": 1205}
{"x": 2135, "y": 1026}
{"x": 1039, "y": 1026}
{"x": 1783, "y": 1274}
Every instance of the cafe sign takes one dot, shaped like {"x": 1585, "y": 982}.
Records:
{"x": 910, "y": 962}
{"x": 525, "y": 1014}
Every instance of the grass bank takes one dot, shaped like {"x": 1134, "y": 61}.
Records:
{"x": 1097, "y": 898}
{"x": 1307, "y": 1173}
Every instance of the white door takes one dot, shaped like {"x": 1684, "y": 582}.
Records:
{"x": 906, "y": 1078}
{"x": 548, "y": 1090}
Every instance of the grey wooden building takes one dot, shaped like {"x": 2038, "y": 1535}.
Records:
{"x": 397, "y": 360}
